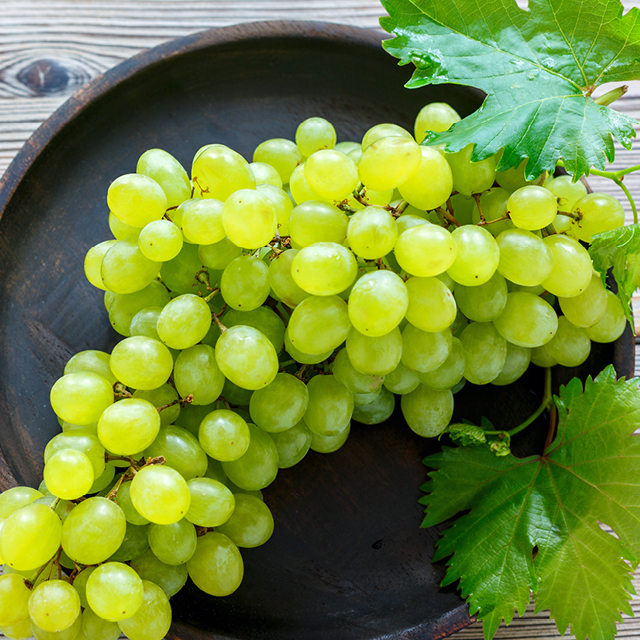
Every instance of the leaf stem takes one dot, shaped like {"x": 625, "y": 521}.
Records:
{"x": 629, "y": 198}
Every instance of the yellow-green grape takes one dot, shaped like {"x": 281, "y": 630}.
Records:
{"x": 160, "y": 494}
{"x": 423, "y": 350}
{"x": 331, "y": 174}
{"x": 525, "y": 259}
{"x": 485, "y": 302}
{"x": 570, "y": 346}
{"x": 388, "y": 162}
{"x": 431, "y": 305}
{"x": 377, "y": 411}
{"x": 218, "y": 171}
{"x": 263, "y": 319}
{"x": 211, "y": 502}
{"x": 282, "y": 282}
{"x": 477, "y": 257}
{"x": 301, "y": 356}
{"x": 330, "y": 405}
{"x": 197, "y": 374}
{"x": 376, "y": 356}
{"x": 431, "y": 183}
{"x": 566, "y": 191}
{"x": 104, "y": 480}
{"x": 258, "y": 467}
{"x": 174, "y": 543}
{"x": 125, "y": 306}
{"x": 515, "y": 364}
{"x": 91, "y": 360}
{"x": 218, "y": 255}
{"x": 72, "y": 633}
{"x": 95, "y": 628}
{"x": 527, "y": 320}
{"x": 80, "y": 441}
{"x": 383, "y": 130}
{"x": 426, "y": 250}
{"x": 246, "y": 357}
{"x": 124, "y": 502}
{"x": 265, "y": 174}
{"x": 224, "y": 435}
{"x": 170, "y": 578}
{"x": 372, "y": 233}
{"x": 464, "y": 208}
{"x": 182, "y": 323}
{"x": 181, "y": 451}
{"x": 612, "y": 324}
{"x": 114, "y": 591}
{"x": 355, "y": 381}
{"x": 532, "y": 207}
{"x": 249, "y": 219}
{"x": 329, "y": 444}
{"x": 122, "y": 231}
{"x": 54, "y": 605}
{"x": 14, "y": 599}
{"x": 427, "y": 411}
{"x": 279, "y": 406}
{"x": 494, "y": 205}
{"x": 319, "y": 324}
{"x": 80, "y": 398}
{"x": 450, "y": 372}
{"x": 485, "y": 352}
{"x": 572, "y": 269}
{"x": 161, "y": 397}
{"x": 514, "y": 178}
{"x": 436, "y": 116}
{"x": 378, "y": 302}
{"x": 281, "y": 203}
{"x": 251, "y": 523}
{"x": 128, "y": 426}
{"x": 346, "y": 146}
{"x": 324, "y": 269}
{"x": 245, "y": 283}
{"x": 471, "y": 177}
{"x": 16, "y": 497}
{"x": 152, "y": 620}
{"x": 282, "y": 154}
{"x": 301, "y": 192}
{"x": 314, "y": 134}
{"x": 18, "y": 631}
{"x": 136, "y": 200}
{"x": 216, "y": 567}
{"x": 599, "y": 212}
{"x": 360, "y": 399}
{"x": 93, "y": 263}
{"x": 588, "y": 308}
{"x": 401, "y": 380}
{"x": 202, "y": 222}
{"x": 408, "y": 221}
{"x": 315, "y": 221}
{"x": 68, "y": 474}
{"x": 143, "y": 363}
{"x": 80, "y": 585}
{"x": 125, "y": 269}
{"x": 292, "y": 445}
{"x": 371, "y": 197}
{"x": 168, "y": 173}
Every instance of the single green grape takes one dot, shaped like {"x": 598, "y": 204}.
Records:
{"x": 292, "y": 445}
{"x": 168, "y": 173}
{"x": 588, "y": 308}
{"x": 612, "y": 324}
{"x": 197, "y": 374}
{"x": 301, "y": 356}
{"x": 68, "y": 474}
{"x": 160, "y": 494}
{"x": 114, "y": 591}
{"x": 128, "y": 426}
{"x": 351, "y": 378}
{"x": 93, "y": 263}
{"x": 136, "y": 199}
{"x": 14, "y": 599}
{"x": 245, "y": 283}
{"x": 95, "y": 628}
{"x": 599, "y": 212}
{"x": 372, "y": 233}
{"x": 181, "y": 451}
{"x": 485, "y": 302}
{"x": 377, "y": 411}
{"x": 19, "y": 631}
{"x": 532, "y": 207}
{"x": 331, "y": 174}
{"x": 401, "y": 380}
{"x": 375, "y": 356}
{"x": 435, "y": 116}
{"x": 212, "y": 503}
{"x": 450, "y": 372}
{"x": 485, "y": 352}
{"x": 265, "y": 174}
{"x": 142, "y": 363}
{"x": 173, "y": 543}
{"x": 280, "y": 405}
{"x": 570, "y": 346}
{"x": 329, "y": 444}
{"x": 91, "y": 360}
{"x": 216, "y": 567}
{"x": 249, "y": 219}
{"x": 258, "y": 466}
{"x": 515, "y": 364}
{"x": 54, "y": 605}
{"x": 427, "y": 411}
{"x": 314, "y": 134}
{"x": 477, "y": 257}
{"x": 469, "y": 176}
{"x": 426, "y": 250}
{"x": 250, "y": 524}
{"x": 572, "y": 269}
{"x": 431, "y": 183}
{"x": 525, "y": 259}
{"x": 324, "y": 269}
{"x": 330, "y": 405}
{"x": 282, "y": 154}
{"x": 170, "y": 578}
{"x": 565, "y": 190}
{"x": 432, "y": 306}
{"x": 202, "y": 222}
{"x": 527, "y": 320}
{"x": 217, "y": 172}
{"x": 80, "y": 398}
{"x": 160, "y": 241}
{"x": 424, "y": 350}
{"x": 125, "y": 269}
{"x": 388, "y": 162}
{"x": 152, "y": 619}
{"x": 315, "y": 221}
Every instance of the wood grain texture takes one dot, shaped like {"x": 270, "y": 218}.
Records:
{"x": 50, "y": 48}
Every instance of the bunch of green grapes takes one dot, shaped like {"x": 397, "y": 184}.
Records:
{"x": 263, "y": 307}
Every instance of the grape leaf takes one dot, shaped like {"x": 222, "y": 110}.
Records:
{"x": 539, "y": 68}
{"x": 533, "y": 523}
{"x": 466, "y": 433}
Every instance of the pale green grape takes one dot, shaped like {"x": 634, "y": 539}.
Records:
{"x": 485, "y": 302}
{"x": 211, "y": 502}
{"x": 114, "y": 591}
{"x": 202, "y": 222}
{"x": 566, "y": 191}
{"x": 192, "y": 415}
{"x": 324, "y": 269}
{"x": 282, "y": 154}
{"x": 263, "y": 319}
{"x": 218, "y": 255}
{"x": 314, "y": 221}
{"x": 173, "y": 543}
{"x": 235, "y": 394}
{"x": 136, "y": 199}
{"x": 249, "y": 219}
{"x": 160, "y": 494}
{"x": 450, "y": 372}
{"x": 377, "y": 411}
{"x": 408, "y": 221}
{"x": 435, "y": 116}
{"x": 371, "y": 197}
{"x": 485, "y": 352}
{"x": 347, "y": 146}
{"x": 329, "y": 444}
{"x": 516, "y": 363}
{"x": 216, "y": 567}
{"x": 282, "y": 205}
{"x": 431, "y": 183}
{"x": 425, "y": 351}
{"x": 314, "y": 134}
{"x": 352, "y": 379}
{"x": 125, "y": 269}
{"x": 68, "y": 474}
{"x": 372, "y": 233}
{"x": 104, "y": 480}
{"x": 152, "y": 620}
{"x": 426, "y": 250}
{"x": 427, "y": 411}
{"x": 81, "y": 441}
{"x": 14, "y": 599}
{"x": 95, "y": 628}
{"x": 331, "y": 174}
{"x": 181, "y": 451}
{"x": 527, "y": 320}
{"x": 471, "y": 177}
{"x": 80, "y": 398}
{"x": 54, "y": 605}
{"x": 124, "y": 307}
{"x": 93, "y": 263}
{"x": 330, "y": 405}
{"x": 376, "y": 356}
{"x": 168, "y": 173}
{"x": 613, "y": 323}
{"x": 72, "y": 633}
{"x": 401, "y": 380}
{"x": 494, "y": 205}
{"x": 571, "y": 272}
{"x": 170, "y": 578}
{"x": 570, "y": 346}
{"x": 464, "y": 208}
{"x": 122, "y": 231}
{"x": 142, "y": 363}
{"x": 124, "y": 502}
{"x": 589, "y": 307}
{"x": 477, "y": 257}
{"x": 292, "y": 445}
{"x": 431, "y": 306}
{"x": 301, "y": 192}
{"x": 128, "y": 426}
{"x": 16, "y": 497}
{"x": 301, "y": 356}
{"x": 281, "y": 405}
{"x": 179, "y": 274}
{"x": 19, "y": 631}
{"x": 388, "y": 162}
{"x": 218, "y": 171}
{"x": 160, "y": 241}
{"x": 599, "y": 212}
{"x": 91, "y": 360}
{"x": 524, "y": 257}
{"x": 93, "y": 531}
{"x": 251, "y": 523}
{"x": 282, "y": 282}
{"x": 161, "y": 397}
{"x": 383, "y": 130}
{"x": 514, "y": 178}
{"x": 258, "y": 467}
{"x": 197, "y": 374}
{"x": 183, "y": 322}
{"x": 360, "y": 399}
{"x": 532, "y": 207}
{"x": 265, "y": 174}
{"x": 80, "y": 585}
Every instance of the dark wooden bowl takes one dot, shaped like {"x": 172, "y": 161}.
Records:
{"x": 348, "y": 560}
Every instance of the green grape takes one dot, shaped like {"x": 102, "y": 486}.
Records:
{"x": 525, "y": 259}
{"x": 323, "y": 269}
{"x": 142, "y": 363}
{"x": 14, "y": 599}
{"x": 246, "y": 357}
{"x": 152, "y": 620}
{"x": 179, "y": 274}
{"x": 485, "y": 352}
{"x": 532, "y": 207}
{"x": 80, "y": 585}
{"x": 427, "y": 411}
{"x": 435, "y": 116}
{"x": 197, "y": 374}
{"x": 383, "y": 130}
{"x": 95, "y": 628}
{"x": 96, "y": 361}
{"x": 281, "y": 203}
{"x": 263, "y": 319}
{"x": 431, "y": 306}
{"x": 514, "y": 178}
{"x": 258, "y": 467}
{"x": 100, "y": 483}
{"x": 566, "y": 191}
{"x": 314, "y": 221}
{"x": 331, "y": 174}
{"x": 377, "y": 411}
{"x": 68, "y": 474}
{"x": 329, "y": 444}
{"x": 372, "y": 233}
{"x": 184, "y": 322}
{"x": 301, "y": 356}
{"x": 170, "y": 578}
{"x": 93, "y": 263}
{"x": 245, "y": 283}
{"x": 211, "y": 502}
{"x": 122, "y": 231}
{"x": 570, "y": 346}
{"x": 249, "y": 219}
{"x": 431, "y": 183}
{"x": 571, "y": 272}
{"x": 471, "y": 177}
{"x": 494, "y": 206}
{"x": 330, "y": 405}
{"x": 360, "y": 399}
{"x": 217, "y": 172}
{"x": 192, "y": 415}
{"x": 216, "y": 567}
{"x": 125, "y": 307}
{"x": 388, "y": 162}
{"x": 464, "y": 208}
{"x": 408, "y": 221}
{"x": 124, "y": 502}
{"x": 426, "y": 250}
{"x": 347, "y": 146}
{"x": 314, "y": 134}
{"x": 375, "y": 356}
{"x": 516, "y": 363}
{"x": 80, "y": 398}
{"x": 485, "y": 302}
{"x": 168, "y": 173}
{"x": 18, "y": 631}
{"x": 425, "y": 351}
{"x": 93, "y": 531}
{"x": 125, "y": 269}
{"x": 265, "y": 174}
{"x": 292, "y": 445}
{"x": 128, "y": 426}
{"x": 181, "y": 451}
{"x": 599, "y": 212}
{"x": 401, "y": 380}
{"x": 81, "y": 441}
{"x": 477, "y": 257}
{"x": 235, "y": 395}
{"x": 54, "y": 605}
{"x": 300, "y": 190}
{"x": 279, "y": 406}
{"x": 201, "y": 222}
{"x": 612, "y": 324}
{"x": 450, "y": 372}
{"x": 218, "y": 255}
{"x": 527, "y": 320}
{"x": 588, "y": 308}
{"x": 282, "y": 154}
{"x": 282, "y": 282}
{"x": 160, "y": 397}
{"x": 173, "y": 543}
{"x": 160, "y": 241}
{"x": 136, "y": 199}
{"x": 14, "y": 498}
{"x": 72, "y": 633}
{"x": 251, "y": 523}
{"x": 319, "y": 324}
{"x": 114, "y": 591}
{"x": 352, "y": 379}
{"x": 160, "y": 494}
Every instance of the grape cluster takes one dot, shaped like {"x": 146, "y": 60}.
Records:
{"x": 258, "y": 322}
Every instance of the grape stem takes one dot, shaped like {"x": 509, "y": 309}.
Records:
{"x": 287, "y": 363}
{"x": 203, "y": 277}
{"x": 216, "y": 319}
{"x": 120, "y": 391}
{"x": 114, "y": 492}
{"x": 476, "y": 197}
{"x": 448, "y": 216}
{"x": 181, "y": 401}
{"x": 54, "y": 504}
{"x": 301, "y": 371}
{"x": 212, "y": 295}
{"x": 484, "y": 223}
{"x": 574, "y": 216}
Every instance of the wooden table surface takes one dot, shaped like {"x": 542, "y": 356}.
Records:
{"x": 50, "y": 48}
